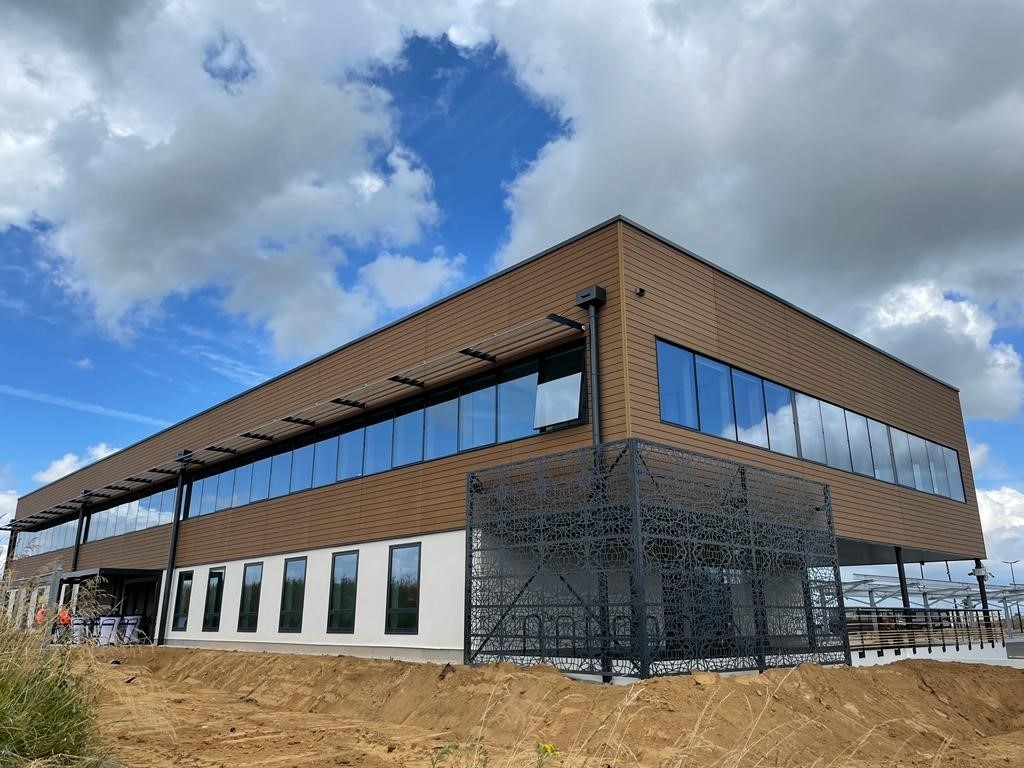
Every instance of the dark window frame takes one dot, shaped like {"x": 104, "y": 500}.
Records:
{"x": 211, "y": 619}
{"x": 284, "y": 584}
{"x": 330, "y": 595}
{"x": 389, "y": 610}
{"x": 255, "y": 615}
{"x": 177, "y": 613}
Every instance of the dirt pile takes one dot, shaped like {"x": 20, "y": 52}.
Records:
{"x": 209, "y": 708}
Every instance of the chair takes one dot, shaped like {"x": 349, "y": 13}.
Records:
{"x": 108, "y": 629}
{"x": 79, "y": 631}
{"x": 130, "y": 632}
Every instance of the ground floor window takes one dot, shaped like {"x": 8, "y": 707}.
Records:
{"x": 292, "y": 595}
{"x": 403, "y": 590}
{"x": 249, "y": 606}
{"x": 341, "y": 609}
{"x": 182, "y": 597}
{"x": 214, "y": 599}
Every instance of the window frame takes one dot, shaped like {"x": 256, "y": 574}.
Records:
{"x": 259, "y": 599}
{"x": 211, "y": 620}
{"x": 302, "y": 606}
{"x": 389, "y": 610}
{"x": 176, "y": 612}
{"x": 330, "y": 594}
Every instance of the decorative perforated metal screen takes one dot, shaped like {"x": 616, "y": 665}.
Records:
{"x": 639, "y": 559}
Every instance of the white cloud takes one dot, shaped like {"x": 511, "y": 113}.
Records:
{"x": 71, "y": 462}
{"x": 84, "y": 363}
{"x": 77, "y": 405}
{"x": 1002, "y": 518}
{"x": 980, "y": 453}
{"x": 951, "y": 338}
{"x": 403, "y": 282}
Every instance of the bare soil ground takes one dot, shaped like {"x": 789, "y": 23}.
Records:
{"x": 178, "y": 707}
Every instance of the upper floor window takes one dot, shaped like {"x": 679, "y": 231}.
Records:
{"x": 700, "y": 393}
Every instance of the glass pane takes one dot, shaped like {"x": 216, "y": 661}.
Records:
{"x": 195, "y": 498}
{"x": 812, "y": 438}
{"x": 901, "y": 453}
{"x": 260, "y": 480}
{"x": 209, "y": 503}
{"x": 249, "y": 604}
{"x": 956, "y": 485}
{"x": 342, "y": 608}
{"x": 292, "y": 595}
{"x": 477, "y": 415}
{"x": 182, "y": 598}
{"x": 214, "y": 596}
{"x": 377, "y": 451}
{"x": 225, "y": 488}
{"x": 751, "y": 426}
{"x": 919, "y": 458}
{"x": 280, "y": 474}
{"x": 714, "y": 399}
{"x": 403, "y": 589}
{"x": 677, "y": 389}
{"x": 860, "y": 443}
{"x": 408, "y": 437}
{"x": 325, "y": 462}
{"x": 243, "y": 482}
{"x": 517, "y": 401}
{"x": 442, "y": 425}
{"x": 881, "y": 455}
{"x": 837, "y": 442}
{"x": 350, "y": 454}
{"x": 937, "y": 464}
{"x": 302, "y": 468}
{"x": 558, "y": 401}
{"x": 781, "y": 428}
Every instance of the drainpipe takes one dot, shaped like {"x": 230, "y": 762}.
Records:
{"x": 591, "y": 299}
{"x": 172, "y": 551}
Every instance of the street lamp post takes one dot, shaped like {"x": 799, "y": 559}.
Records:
{"x": 1013, "y": 580}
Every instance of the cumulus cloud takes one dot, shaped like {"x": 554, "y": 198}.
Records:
{"x": 71, "y": 462}
{"x": 403, "y": 282}
{"x": 260, "y": 153}
{"x": 951, "y": 338}
{"x": 1002, "y": 517}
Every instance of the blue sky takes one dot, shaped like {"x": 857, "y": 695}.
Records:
{"x": 170, "y": 236}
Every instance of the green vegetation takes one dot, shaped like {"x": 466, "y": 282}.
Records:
{"x": 48, "y": 709}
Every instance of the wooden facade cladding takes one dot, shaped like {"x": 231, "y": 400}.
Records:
{"x": 40, "y": 566}
{"x": 691, "y": 303}
{"x": 528, "y": 291}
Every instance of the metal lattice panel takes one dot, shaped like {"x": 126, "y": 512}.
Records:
{"x": 639, "y": 559}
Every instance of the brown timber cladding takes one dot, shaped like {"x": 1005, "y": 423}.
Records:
{"x": 402, "y": 502}
{"x": 694, "y": 305}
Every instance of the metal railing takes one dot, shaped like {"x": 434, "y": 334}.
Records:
{"x": 881, "y": 629}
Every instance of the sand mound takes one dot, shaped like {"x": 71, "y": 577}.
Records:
{"x": 212, "y": 708}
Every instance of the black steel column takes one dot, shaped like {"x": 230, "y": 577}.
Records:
{"x": 79, "y": 535}
{"x": 979, "y": 572}
{"x": 903, "y": 577}
{"x": 172, "y": 551}
{"x": 638, "y": 570}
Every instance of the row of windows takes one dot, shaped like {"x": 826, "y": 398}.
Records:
{"x": 701, "y": 393}
{"x": 517, "y": 402}
{"x": 403, "y": 596}
{"x": 48, "y": 540}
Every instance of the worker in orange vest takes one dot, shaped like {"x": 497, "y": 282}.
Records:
{"x": 41, "y": 615}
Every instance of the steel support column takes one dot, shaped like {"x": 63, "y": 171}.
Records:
{"x": 904, "y": 594}
{"x": 172, "y": 551}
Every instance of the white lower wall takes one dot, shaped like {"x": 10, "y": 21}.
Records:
{"x": 441, "y": 611}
